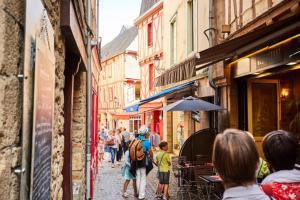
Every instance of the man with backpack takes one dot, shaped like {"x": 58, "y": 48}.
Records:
{"x": 141, "y": 156}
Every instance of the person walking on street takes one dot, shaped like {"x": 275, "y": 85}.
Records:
{"x": 112, "y": 143}
{"x": 127, "y": 174}
{"x": 163, "y": 162}
{"x": 120, "y": 147}
{"x": 125, "y": 139}
{"x": 141, "y": 166}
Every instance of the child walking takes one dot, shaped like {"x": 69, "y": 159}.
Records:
{"x": 163, "y": 163}
{"x": 127, "y": 175}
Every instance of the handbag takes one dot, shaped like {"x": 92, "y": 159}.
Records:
{"x": 110, "y": 142}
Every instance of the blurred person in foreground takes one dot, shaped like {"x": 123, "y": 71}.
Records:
{"x": 281, "y": 150}
{"x": 236, "y": 159}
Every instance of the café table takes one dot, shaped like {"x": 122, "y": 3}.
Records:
{"x": 184, "y": 170}
{"x": 210, "y": 181}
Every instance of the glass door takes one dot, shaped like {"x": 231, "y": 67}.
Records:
{"x": 263, "y": 108}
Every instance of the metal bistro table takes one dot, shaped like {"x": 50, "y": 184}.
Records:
{"x": 184, "y": 173}
{"x": 210, "y": 182}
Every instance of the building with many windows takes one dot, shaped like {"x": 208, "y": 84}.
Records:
{"x": 150, "y": 49}
{"x": 120, "y": 80}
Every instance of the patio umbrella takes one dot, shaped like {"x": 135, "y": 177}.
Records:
{"x": 191, "y": 104}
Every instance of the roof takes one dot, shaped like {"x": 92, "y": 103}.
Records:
{"x": 120, "y": 43}
{"x": 146, "y": 5}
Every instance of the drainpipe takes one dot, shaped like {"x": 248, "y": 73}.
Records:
{"x": 211, "y": 81}
{"x": 89, "y": 102}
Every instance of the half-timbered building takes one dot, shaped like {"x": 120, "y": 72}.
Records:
{"x": 150, "y": 47}
{"x": 119, "y": 80}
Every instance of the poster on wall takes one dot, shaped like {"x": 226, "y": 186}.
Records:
{"x": 43, "y": 109}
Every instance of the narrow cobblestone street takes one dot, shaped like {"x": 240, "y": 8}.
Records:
{"x": 109, "y": 184}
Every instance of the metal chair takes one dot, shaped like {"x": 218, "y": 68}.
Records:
{"x": 202, "y": 159}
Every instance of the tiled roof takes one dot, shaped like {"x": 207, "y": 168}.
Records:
{"x": 146, "y": 5}
{"x": 120, "y": 43}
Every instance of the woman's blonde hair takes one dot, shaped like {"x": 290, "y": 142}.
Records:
{"x": 235, "y": 157}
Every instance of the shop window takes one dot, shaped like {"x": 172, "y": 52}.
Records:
{"x": 150, "y": 34}
{"x": 134, "y": 124}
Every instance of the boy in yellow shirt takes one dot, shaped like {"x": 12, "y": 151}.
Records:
{"x": 164, "y": 166}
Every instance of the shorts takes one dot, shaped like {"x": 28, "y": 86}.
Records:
{"x": 164, "y": 177}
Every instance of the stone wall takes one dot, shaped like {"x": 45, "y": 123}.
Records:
{"x": 58, "y": 138}
{"x": 11, "y": 60}
{"x": 79, "y": 136}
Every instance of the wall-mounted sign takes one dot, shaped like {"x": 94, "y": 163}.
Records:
{"x": 40, "y": 38}
{"x": 271, "y": 58}
{"x": 268, "y": 58}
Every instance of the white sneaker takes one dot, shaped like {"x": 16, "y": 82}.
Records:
{"x": 113, "y": 166}
{"x": 125, "y": 195}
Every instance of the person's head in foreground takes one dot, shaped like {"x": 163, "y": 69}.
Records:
{"x": 280, "y": 149}
{"x": 163, "y": 146}
{"x": 235, "y": 158}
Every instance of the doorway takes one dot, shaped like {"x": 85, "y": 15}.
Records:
{"x": 263, "y": 108}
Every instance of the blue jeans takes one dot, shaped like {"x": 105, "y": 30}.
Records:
{"x": 113, "y": 152}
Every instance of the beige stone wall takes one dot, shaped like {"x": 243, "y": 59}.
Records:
{"x": 57, "y": 138}
{"x": 79, "y": 134}
{"x": 11, "y": 55}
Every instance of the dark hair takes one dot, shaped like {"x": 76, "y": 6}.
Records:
{"x": 163, "y": 144}
{"x": 280, "y": 149}
{"x": 235, "y": 157}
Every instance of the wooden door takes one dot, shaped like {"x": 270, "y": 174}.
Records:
{"x": 263, "y": 108}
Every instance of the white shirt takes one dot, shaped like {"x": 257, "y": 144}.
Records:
{"x": 252, "y": 192}
{"x": 283, "y": 176}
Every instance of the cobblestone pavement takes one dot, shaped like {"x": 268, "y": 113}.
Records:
{"x": 109, "y": 184}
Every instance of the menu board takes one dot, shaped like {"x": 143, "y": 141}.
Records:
{"x": 43, "y": 111}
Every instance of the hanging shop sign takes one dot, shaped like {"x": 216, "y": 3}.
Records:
{"x": 40, "y": 36}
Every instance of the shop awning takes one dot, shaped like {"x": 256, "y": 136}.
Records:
{"x": 258, "y": 38}
{"x": 191, "y": 104}
{"x": 135, "y": 107}
{"x": 132, "y": 108}
{"x": 167, "y": 91}
{"x": 123, "y": 116}
{"x": 182, "y": 71}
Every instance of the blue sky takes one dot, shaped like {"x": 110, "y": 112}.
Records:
{"x": 114, "y": 14}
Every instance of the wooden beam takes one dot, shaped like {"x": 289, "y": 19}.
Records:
{"x": 229, "y": 11}
{"x": 253, "y": 9}
{"x": 241, "y": 14}
{"x": 235, "y": 14}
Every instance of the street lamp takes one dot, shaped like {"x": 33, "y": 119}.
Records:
{"x": 156, "y": 63}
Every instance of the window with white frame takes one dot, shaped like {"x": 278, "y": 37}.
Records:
{"x": 190, "y": 26}
{"x": 173, "y": 40}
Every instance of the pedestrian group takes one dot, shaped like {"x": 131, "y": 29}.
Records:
{"x": 244, "y": 174}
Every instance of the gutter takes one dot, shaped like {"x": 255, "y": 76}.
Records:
{"x": 89, "y": 103}
{"x": 210, "y": 78}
